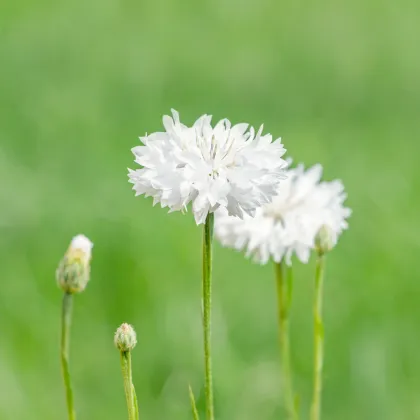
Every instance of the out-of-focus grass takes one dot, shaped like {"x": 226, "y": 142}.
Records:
{"x": 79, "y": 81}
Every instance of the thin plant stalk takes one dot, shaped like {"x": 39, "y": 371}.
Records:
{"x": 193, "y": 405}
{"x": 128, "y": 385}
{"x": 318, "y": 338}
{"x": 136, "y": 404}
{"x": 284, "y": 298}
{"x": 206, "y": 291}
{"x": 66, "y": 315}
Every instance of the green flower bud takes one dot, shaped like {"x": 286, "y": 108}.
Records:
{"x": 125, "y": 338}
{"x": 73, "y": 271}
{"x": 324, "y": 240}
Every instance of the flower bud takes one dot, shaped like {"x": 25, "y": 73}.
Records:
{"x": 324, "y": 240}
{"x": 74, "y": 269}
{"x": 125, "y": 338}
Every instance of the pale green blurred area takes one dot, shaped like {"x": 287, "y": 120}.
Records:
{"x": 80, "y": 81}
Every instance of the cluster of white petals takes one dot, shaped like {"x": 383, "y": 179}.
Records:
{"x": 291, "y": 222}
{"x": 228, "y": 167}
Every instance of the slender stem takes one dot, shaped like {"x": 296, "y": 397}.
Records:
{"x": 136, "y": 404}
{"x": 65, "y": 342}
{"x": 284, "y": 298}
{"x": 206, "y": 290}
{"x": 193, "y": 405}
{"x": 318, "y": 338}
{"x": 128, "y": 384}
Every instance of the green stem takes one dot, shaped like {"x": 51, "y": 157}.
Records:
{"x": 206, "y": 291}
{"x": 65, "y": 342}
{"x": 136, "y": 404}
{"x": 284, "y": 298}
{"x": 193, "y": 405}
{"x": 318, "y": 338}
{"x": 128, "y": 384}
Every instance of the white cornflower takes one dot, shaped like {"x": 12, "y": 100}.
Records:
{"x": 222, "y": 167}
{"x": 291, "y": 222}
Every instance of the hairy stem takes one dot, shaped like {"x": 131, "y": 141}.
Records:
{"x": 128, "y": 384}
{"x": 66, "y": 314}
{"x": 206, "y": 291}
{"x": 284, "y": 297}
{"x": 318, "y": 339}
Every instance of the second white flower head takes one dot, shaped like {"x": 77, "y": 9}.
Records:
{"x": 292, "y": 222}
{"x": 224, "y": 166}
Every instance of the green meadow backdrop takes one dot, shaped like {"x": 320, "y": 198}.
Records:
{"x": 81, "y": 80}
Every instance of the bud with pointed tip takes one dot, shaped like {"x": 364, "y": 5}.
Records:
{"x": 324, "y": 240}
{"x": 125, "y": 338}
{"x": 74, "y": 270}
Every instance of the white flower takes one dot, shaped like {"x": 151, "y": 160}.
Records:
{"x": 222, "y": 167}
{"x": 291, "y": 222}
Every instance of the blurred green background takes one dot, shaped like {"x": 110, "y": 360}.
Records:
{"x": 80, "y": 81}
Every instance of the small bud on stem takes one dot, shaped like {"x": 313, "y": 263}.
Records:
{"x": 125, "y": 340}
{"x": 74, "y": 269}
{"x": 72, "y": 276}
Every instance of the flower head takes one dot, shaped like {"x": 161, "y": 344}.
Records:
{"x": 125, "y": 338}
{"x": 290, "y": 223}
{"x": 224, "y": 166}
{"x": 74, "y": 269}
